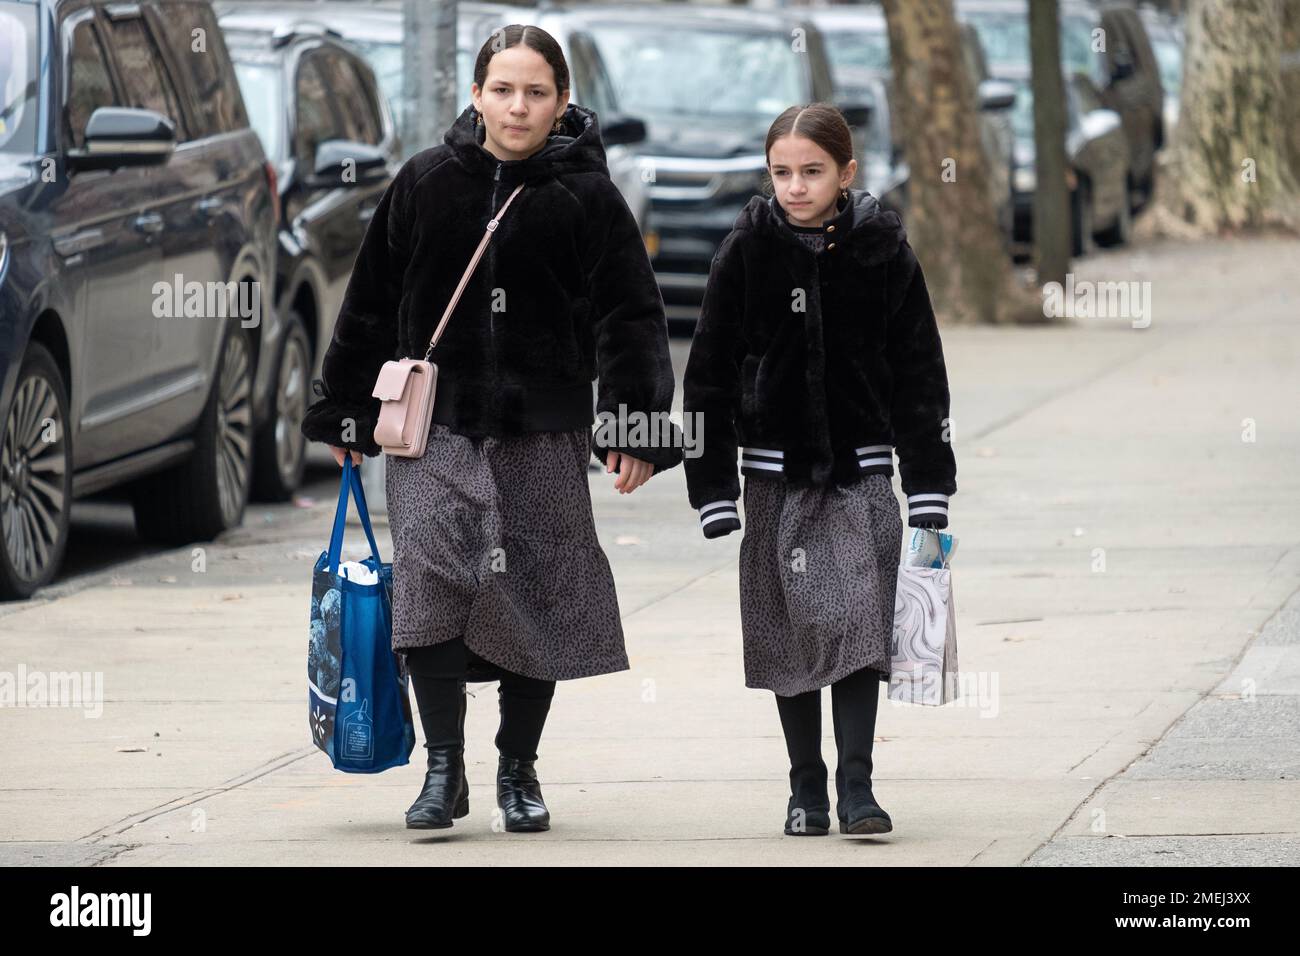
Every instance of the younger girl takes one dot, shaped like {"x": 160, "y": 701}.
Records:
{"x": 817, "y": 354}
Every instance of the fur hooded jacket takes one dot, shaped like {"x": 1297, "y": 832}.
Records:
{"x": 564, "y": 294}
{"x": 818, "y": 366}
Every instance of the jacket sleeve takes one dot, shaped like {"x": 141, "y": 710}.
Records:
{"x": 712, "y": 393}
{"x": 919, "y": 404}
{"x": 635, "y": 371}
{"x": 366, "y": 330}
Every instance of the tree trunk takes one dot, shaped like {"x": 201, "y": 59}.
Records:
{"x": 1052, "y": 221}
{"x": 1291, "y": 81}
{"x": 1230, "y": 168}
{"x": 951, "y": 220}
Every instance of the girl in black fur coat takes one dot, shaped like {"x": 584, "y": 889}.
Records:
{"x": 816, "y": 356}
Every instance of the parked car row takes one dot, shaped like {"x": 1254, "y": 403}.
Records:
{"x": 1114, "y": 96}
{"x": 184, "y": 187}
{"x": 137, "y": 231}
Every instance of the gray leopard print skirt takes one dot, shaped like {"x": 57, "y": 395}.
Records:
{"x": 818, "y": 575}
{"x": 494, "y": 540}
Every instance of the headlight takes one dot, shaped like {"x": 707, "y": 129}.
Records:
{"x": 1024, "y": 180}
{"x": 741, "y": 181}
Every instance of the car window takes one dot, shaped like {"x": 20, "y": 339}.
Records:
{"x": 662, "y": 71}
{"x": 584, "y": 67}
{"x": 139, "y": 62}
{"x": 316, "y": 121}
{"x": 355, "y": 117}
{"x": 860, "y": 48}
{"x": 192, "y": 35}
{"x": 260, "y": 84}
{"x": 88, "y": 83}
{"x": 18, "y": 86}
{"x": 373, "y": 114}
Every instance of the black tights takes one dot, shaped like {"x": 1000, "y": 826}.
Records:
{"x": 438, "y": 678}
{"x": 854, "y": 700}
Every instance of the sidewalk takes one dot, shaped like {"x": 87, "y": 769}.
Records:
{"x": 1068, "y": 440}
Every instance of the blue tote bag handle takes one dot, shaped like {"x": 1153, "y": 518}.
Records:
{"x": 351, "y": 479}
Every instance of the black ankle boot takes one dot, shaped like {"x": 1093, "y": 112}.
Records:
{"x": 807, "y": 812}
{"x": 804, "y": 820}
{"x": 445, "y": 794}
{"x": 854, "y": 701}
{"x": 863, "y": 815}
{"x": 519, "y": 795}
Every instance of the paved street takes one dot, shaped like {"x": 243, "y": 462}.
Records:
{"x": 1127, "y": 621}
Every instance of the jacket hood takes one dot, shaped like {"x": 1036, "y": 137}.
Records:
{"x": 874, "y": 232}
{"x": 577, "y": 147}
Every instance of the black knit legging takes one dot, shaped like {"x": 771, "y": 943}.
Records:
{"x": 438, "y": 678}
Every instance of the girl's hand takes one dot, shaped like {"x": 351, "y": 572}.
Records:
{"x": 632, "y": 475}
{"x": 338, "y": 454}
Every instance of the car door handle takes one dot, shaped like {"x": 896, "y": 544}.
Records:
{"x": 208, "y": 205}
{"x": 79, "y": 242}
{"x": 149, "y": 222}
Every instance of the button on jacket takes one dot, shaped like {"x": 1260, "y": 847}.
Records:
{"x": 565, "y": 293}
{"x": 816, "y": 367}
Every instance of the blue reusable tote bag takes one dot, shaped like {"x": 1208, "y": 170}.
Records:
{"x": 356, "y": 689}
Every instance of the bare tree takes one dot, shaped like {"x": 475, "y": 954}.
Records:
{"x": 1051, "y": 196}
{"x": 951, "y": 219}
{"x": 1229, "y": 169}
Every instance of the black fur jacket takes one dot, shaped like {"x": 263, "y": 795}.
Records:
{"x": 564, "y": 294}
{"x": 818, "y": 366}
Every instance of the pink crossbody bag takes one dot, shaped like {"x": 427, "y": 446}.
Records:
{"x": 406, "y": 387}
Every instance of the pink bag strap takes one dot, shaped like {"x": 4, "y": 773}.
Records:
{"x": 469, "y": 270}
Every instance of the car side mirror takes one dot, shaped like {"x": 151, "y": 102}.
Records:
{"x": 623, "y": 131}
{"x": 344, "y": 163}
{"x": 997, "y": 95}
{"x": 857, "y": 115}
{"x": 124, "y": 136}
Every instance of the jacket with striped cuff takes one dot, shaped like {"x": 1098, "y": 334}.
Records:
{"x": 817, "y": 367}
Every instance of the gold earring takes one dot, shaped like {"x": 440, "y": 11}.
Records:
{"x": 844, "y": 193}
{"x": 478, "y": 118}
{"x": 557, "y": 125}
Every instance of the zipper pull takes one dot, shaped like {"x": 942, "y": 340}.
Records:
{"x": 497, "y": 177}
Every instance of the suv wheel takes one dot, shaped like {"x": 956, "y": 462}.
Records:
{"x": 206, "y": 495}
{"x": 280, "y": 453}
{"x": 35, "y": 477}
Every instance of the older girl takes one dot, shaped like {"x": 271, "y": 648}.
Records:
{"x": 497, "y": 570}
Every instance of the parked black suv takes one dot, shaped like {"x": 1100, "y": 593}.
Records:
{"x": 327, "y": 129}
{"x": 707, "y": 81}
{"x": 137, "y": 229}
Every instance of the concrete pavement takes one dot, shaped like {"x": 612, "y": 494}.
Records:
{"x": 1123, "y": 552}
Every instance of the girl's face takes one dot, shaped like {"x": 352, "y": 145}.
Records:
{"x": 518, "y": 102}
{"x": 806, "y": 180}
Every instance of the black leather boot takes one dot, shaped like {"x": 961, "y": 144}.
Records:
{"x": 807, "y": 812}
{"x": 445, "y": 794}
{"x": 524, "y": 703}
{"x": 519, "y": 795}
{"x": 854, "y": 701}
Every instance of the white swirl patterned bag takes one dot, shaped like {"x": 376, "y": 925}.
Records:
{"x": 924, "y": 646}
